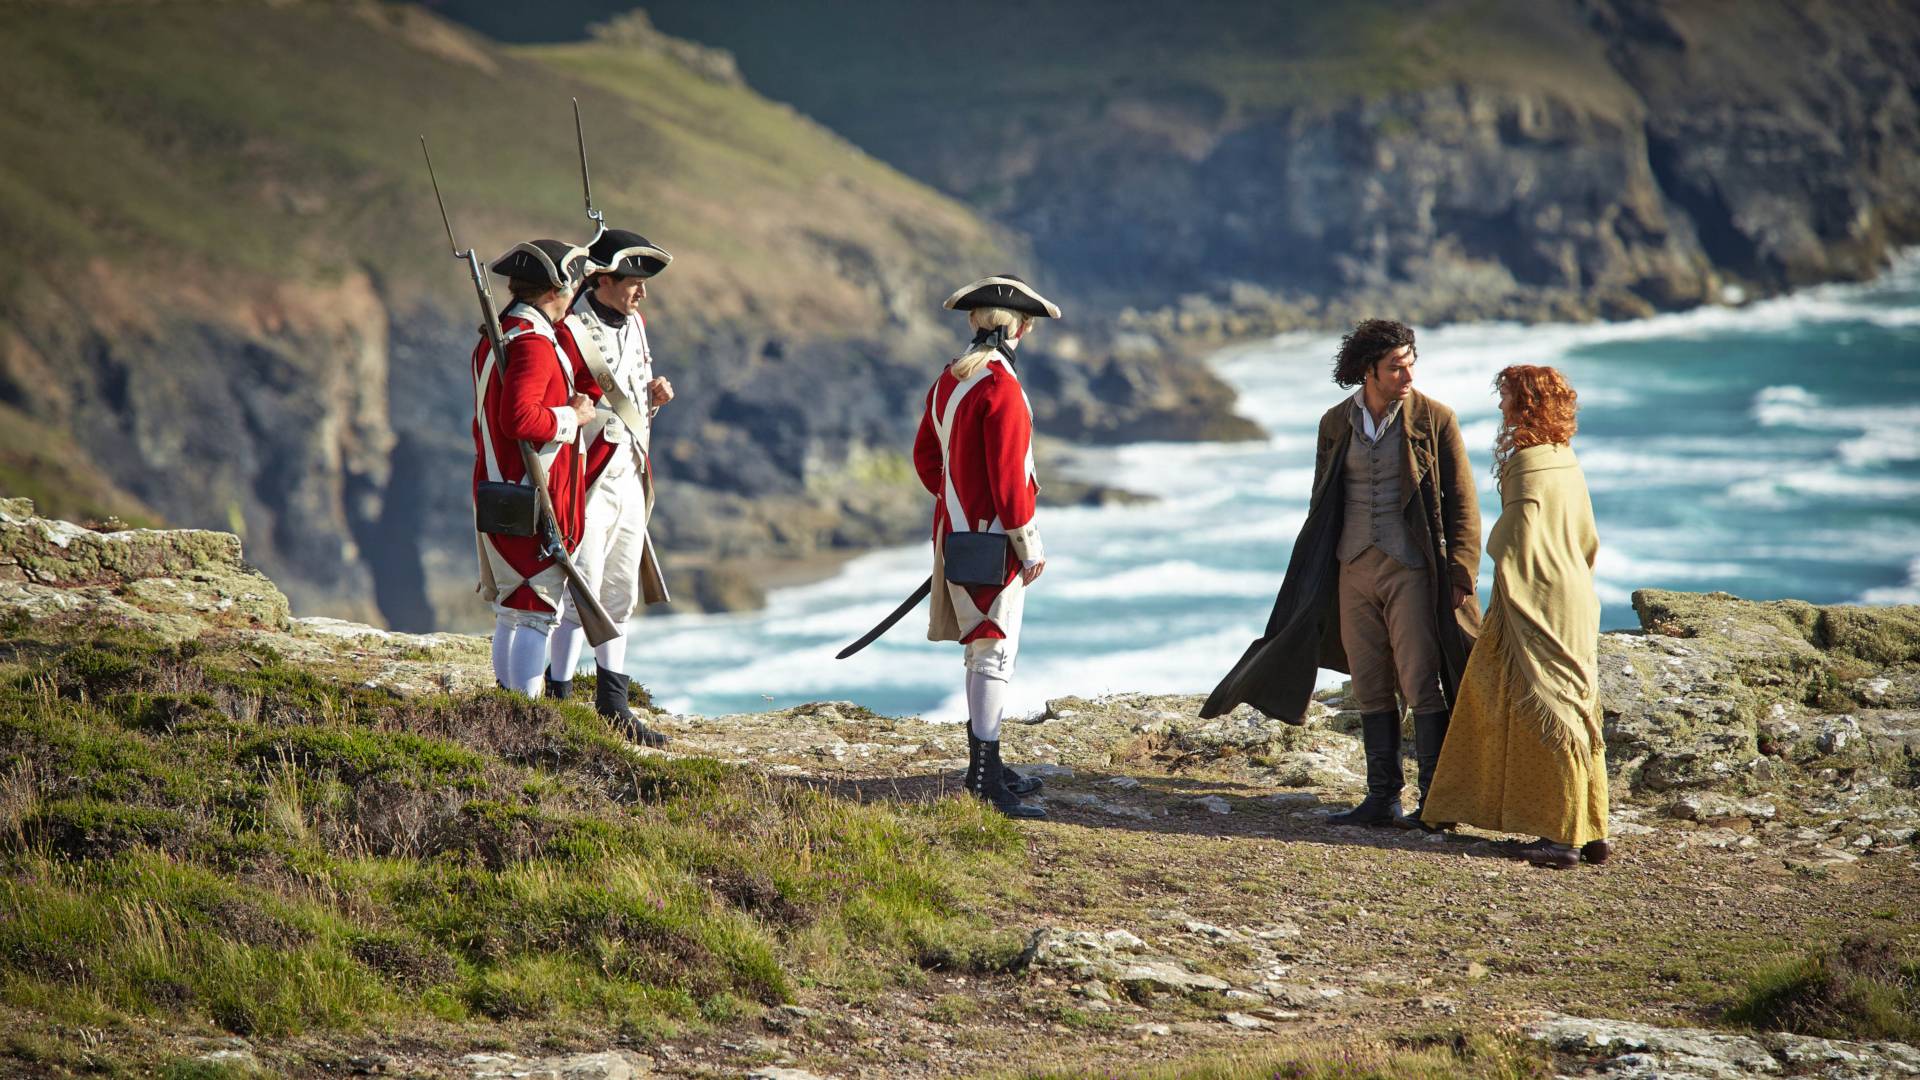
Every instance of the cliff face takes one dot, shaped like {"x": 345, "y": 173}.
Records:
{"x": 1236, "y": 170}
{"x": 231, "y": 304}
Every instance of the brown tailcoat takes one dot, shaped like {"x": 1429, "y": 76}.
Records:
{"x": 1276, "y": 674}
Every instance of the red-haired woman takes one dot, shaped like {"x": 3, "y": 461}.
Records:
{"x": 1525, "y": 753}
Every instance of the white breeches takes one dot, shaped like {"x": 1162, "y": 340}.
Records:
{"x": 992, "y": 657}
{"x": 615, "y": 538}
{"x": 611, "y": 547}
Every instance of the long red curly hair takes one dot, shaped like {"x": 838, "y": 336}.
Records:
{"x": 1541, "y": 412}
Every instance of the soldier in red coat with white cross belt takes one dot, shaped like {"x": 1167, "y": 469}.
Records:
{"x": 532, "y": 400}
{"x": 616, "y": 554}
{"x": 974, "y": 453}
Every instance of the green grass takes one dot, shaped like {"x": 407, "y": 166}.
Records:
{"x": 1866, "y": 988}
{"x": 204, "y": 835}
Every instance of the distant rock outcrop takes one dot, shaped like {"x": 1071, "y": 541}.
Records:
{"x": 1230, "y": 170}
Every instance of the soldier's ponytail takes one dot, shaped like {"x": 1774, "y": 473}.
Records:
{"x": 991, "y": 327}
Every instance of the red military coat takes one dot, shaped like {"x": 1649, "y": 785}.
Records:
{"x": 528, "y": 401}
{"x": 988, "y": 457}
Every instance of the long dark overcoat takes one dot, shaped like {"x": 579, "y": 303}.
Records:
{"x": 1277, "y": 672}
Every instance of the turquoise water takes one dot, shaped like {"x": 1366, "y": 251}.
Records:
{"x": 1770, "y": 451}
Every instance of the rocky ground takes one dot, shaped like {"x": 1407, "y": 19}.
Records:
{"x": 1187, "y": 894}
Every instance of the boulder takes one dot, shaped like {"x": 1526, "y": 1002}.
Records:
{"x": 167, "y": 580}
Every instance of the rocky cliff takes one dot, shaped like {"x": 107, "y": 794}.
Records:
{"x": 229, "y": 303}
{"x": 1233, "y": 170}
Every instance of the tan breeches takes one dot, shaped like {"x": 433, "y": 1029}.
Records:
{"x": 1386, "y": 628}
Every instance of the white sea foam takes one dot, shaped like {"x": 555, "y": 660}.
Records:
{"x": 1897, "y": 594}
{"x": 1885, "y": 433}
{"x": 1155, "y": 598}
{"x": 1178, "y": 577}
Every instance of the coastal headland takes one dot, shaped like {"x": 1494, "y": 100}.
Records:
{"x": 239, "y": 843}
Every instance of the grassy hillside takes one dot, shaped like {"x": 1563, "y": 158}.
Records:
{"x": 225, "y": 252}
{"x": 281, "y": 139}
{"x": 205, "y": 837}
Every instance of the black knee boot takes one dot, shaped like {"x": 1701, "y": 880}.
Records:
{"x": 1429, "y": 734}
{"x": 1380, "y": 736}
{"x": 610, "y": 701}
{"x": 993, "y": 785}
{"x": 976, "y": 763}
{"x": 1019, "y": 785}
{"x": 558, "y": 689}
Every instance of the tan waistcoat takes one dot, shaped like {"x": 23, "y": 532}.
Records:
{"x": 1375, "y": 501}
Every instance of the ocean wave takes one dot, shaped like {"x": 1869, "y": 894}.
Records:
{"x": 1783, "y": 488}
{"x": 1174, "y": 577}
{"x": 1897, "y": 594}
{"x": 1886, "y": 433}
{"x": 1640, "y": 571}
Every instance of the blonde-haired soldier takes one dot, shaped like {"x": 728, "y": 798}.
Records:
{"x": 974, "y": 453}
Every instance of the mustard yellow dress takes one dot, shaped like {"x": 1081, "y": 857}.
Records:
{"x": 1525, "y": 752}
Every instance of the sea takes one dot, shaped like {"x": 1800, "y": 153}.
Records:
{"x": 1769, "y": 451}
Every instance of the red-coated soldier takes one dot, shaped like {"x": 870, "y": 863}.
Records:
{"x": 974, "y": 453}
{"x": 532, "y": 400}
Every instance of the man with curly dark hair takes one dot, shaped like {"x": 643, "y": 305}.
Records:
{"x": 1381, "y": 581}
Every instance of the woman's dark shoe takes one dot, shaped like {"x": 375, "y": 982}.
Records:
{"x": 1552, "y": 856}
{"x": 1596, "y": 851}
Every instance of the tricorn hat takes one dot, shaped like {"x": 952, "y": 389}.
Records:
{"x": 627, "y": 254}
{"x": 1003, "y": 291}
{"x": 554, "y": 262}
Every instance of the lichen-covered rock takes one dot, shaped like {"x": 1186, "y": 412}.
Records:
{"x": 607, "y": 1065}
{"x": 1629, "y": 1051}
{"x": 1714, "y": 682}
{"x": 163, "y": 579}
{"x": 1117, "y": 956}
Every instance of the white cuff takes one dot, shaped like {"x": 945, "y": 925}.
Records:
{"x": 1026, "y": 544}
{"x": 567, "y": 424}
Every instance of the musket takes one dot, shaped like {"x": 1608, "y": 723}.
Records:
{"x": 593, "y": 617}
{"x": 586, "y": 180}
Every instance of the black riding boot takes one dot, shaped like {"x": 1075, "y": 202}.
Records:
{"x": 1429, "y": 734}
{"x": 1380, "y": 736}
{"x": 610, "y": 701}
{"x": 993, "y": 785}
{"x": 558, "y": 689}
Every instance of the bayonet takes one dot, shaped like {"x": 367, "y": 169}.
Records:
{"x": 586, "y": 179}
{"x": 594, "y": 619}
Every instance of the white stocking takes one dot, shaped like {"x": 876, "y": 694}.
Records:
{"x": 986, "y": 697}
{"x": 611, "y": 654}
{"x": 502, "y": 643}
{"x": 527, "y": 661}
{"x": 563, "y": 654}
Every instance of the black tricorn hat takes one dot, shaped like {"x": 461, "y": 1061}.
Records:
{"x": 627, "y": 254}
{"x": 554, "y": 262}
{"x": 1003, "y": 291}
